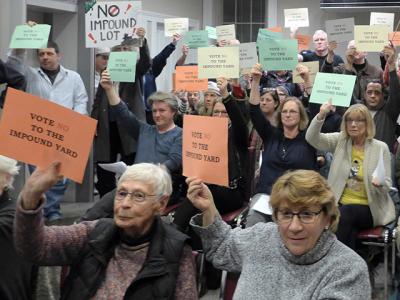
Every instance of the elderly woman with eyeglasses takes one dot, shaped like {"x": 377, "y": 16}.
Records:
{"x": 285, "y": 146}
{"x": 363, "y": 196}
{"x": 135, "y": 255}
{"x": 297, "y": 257}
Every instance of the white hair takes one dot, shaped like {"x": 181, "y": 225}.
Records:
{"x": 147, "y": 173}
{"x": 8, "y": 166}
{"x": 320, "y": 32}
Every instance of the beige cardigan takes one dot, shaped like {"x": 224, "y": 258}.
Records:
{"x": 380, "y": 203}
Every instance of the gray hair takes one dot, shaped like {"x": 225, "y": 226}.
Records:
{"x": 152, "y": 174}
{"x": 318, "y": 32}
{"x": 168, "y": 98}
{"x": 8, "y": 166}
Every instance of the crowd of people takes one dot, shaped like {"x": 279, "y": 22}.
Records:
{"x": 280, "y": 148}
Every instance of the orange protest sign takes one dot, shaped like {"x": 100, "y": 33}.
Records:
{"x": 303, "y": 41}
{"x": 394, "y": 37}
{"x": 205, "y": 149}
{"x": 275, "y": 29}
{"x": 186, "y": 78}
{"x": 38, "y": 132}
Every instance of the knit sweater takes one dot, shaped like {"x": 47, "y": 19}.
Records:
{"x": 269, "y": 271}
{"x": 379, "y": 201}
{"x": 62, "y": 245}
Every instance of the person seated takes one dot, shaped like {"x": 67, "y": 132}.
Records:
{"x": 285, "y": 147}
{"x": 230, "y": 198}
{"x": 17, "y": 276}
{"x": 159, "y": 143}
{"x": 135, "y": 255}
{"x": 363, "y": 197}
{"x": 297, "y": 257}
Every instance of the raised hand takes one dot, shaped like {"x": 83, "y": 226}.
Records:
{"x": 256, "y": 72}
{"x": 222, "y": 84}
{"x": 140, "y": 32}
{"x": 199, "y": 194}
{"x": 390, "y": 54}
{"x": 325, "y": 109}
{"x": 105, "y": 80}
{"x": 175, "y": 38}
{"x": 331, "y": 51}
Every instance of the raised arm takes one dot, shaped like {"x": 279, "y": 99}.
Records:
{"x": 144, "y": 63}
{"x": 393, "y": 104}
{"x": 160, "y": 60}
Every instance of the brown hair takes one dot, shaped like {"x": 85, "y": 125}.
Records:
{"x": 303, "y": 114}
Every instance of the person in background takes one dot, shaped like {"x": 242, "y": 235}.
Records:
{"x": 12, "y": 78}
{"x": 210, "y": 97}
{"x": 100, "y": 64}
{"x": 295, "y": 257}
{"x": 17, "y": 275}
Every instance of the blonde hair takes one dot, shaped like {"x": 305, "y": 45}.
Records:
{"x": 364, "y": 112}
{"x": 305, "y": 188}
{"x": 303, "y": 114}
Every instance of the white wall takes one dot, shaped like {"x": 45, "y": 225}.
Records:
{"x": 192, "y": 9}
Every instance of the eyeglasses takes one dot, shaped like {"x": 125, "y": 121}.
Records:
{"x": 356, "y": 121}
{"x": 305, "y": 216}
{"x": 289, "y": 112}
{"x": 136, "y": 196}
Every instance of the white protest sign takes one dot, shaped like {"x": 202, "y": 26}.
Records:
{"x": 248, "y": 55}
{"x": 296, "y": 17}
{"x": 387, "y": 19}
{"x": 226, "y": 32}
{"x": 176, "y": 25}
{"x": 313, "y": 67}
{"x": 340, "y": 30}
{"x": 107, "y": 24}
{"x": 214, "y": 62}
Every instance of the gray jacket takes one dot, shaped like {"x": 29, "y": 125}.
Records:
{"x": 269, "y": 271}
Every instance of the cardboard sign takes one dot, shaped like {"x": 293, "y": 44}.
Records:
{"x": 248, "y": 55}
{"x": 387, "y": 19}
{"x": 313, "y": 66}
{"x": 196, "y": 39}
{"x": 337, "y": 87}
{"x": 226, "y": 32}
{"x": 278, "y": 55}
{"x": 275, "y": 29}
{"x": 341, "y": 30}
{"x": 303, "y": 41}
{"x": 265, "y": 35}
{"x": 30, "y": 37}
{"x": 394, "y": 37}
{"x": 187, "y": 78}
{"x": 214, "y": 62}
{"x": 212, "y": 32}
{"x": 296, "y": 17}
{"x": 107, "y": 24}
{"x": 371, "y": 38}
{"x": 176, "y": 25}
{"x": 205, "y": 149}
{"x": 122, "y": 66}
{"x": 38, "y": 132}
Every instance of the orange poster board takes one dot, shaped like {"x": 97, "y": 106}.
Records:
{"x": 394, "y": 37}
{"x": 303, "y": 41}
{"x": 186, "y": 78}
{"x": 205, "y": 149}
{"x": 38, "y": 132}
{"x": 275, "y": 29}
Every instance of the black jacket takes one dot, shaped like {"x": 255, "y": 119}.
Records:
{"x": 156, "y": 279}
{"x": 12, "y": 78}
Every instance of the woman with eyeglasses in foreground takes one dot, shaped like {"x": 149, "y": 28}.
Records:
{"x": 363, "y": 197}
{"x": 297, "y": 257}
{"x": 135, "y": 255}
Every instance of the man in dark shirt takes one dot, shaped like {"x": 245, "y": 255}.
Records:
{"x": 12, "y": 78}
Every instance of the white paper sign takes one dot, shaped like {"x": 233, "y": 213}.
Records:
{"x": 296, "y": 17}
{"x": 340, "y": 30}
{"x": 176, "y": 25}
{"x": 226, "y": 32}
{"x": 382, "y": 19}
{"x": 248, "y": 55}
{"x": 262, "y": 204}
{"x": 117, "y": 167}
{"x": 379, "y": 173}
{"x": 107, "y": 24}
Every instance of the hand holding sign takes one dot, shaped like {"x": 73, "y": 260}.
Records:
{"x": 38, "y": 183}
{"x": 199, "y": 194}
{"x": 141, "y": 32}
{"x": 331, "y": 52}
{"x": 222, "y": 84}
{"x": 105, "y": 81}
{"x": 256, "y": 72}
{"x": 304, "y": 72}
{"x": 390, "y": 56}
{"x": 325, "y": 109}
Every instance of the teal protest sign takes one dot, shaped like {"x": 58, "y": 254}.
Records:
{"x": 337, "y": 87}
{"x": 30, "y": 37}
{"x": 122, "y": 66}
{"x": 196, "y": 39}
{"x": 212, "y": 32}
{"x": 278, "y": 54}
{"x": 266, "y": 35}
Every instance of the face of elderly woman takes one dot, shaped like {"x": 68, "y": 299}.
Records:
{"x": 356, "y": 125}
{"x": 136, "y": 206}
{"x": 300, "y": 227}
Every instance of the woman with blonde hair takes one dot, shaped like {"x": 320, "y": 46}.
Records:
{"x": 362, "y": 194}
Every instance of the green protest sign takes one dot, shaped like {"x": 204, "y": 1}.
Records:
{"x": 278, "y": 54}
{"x": 212, "y": 32}
{"x": 30, "y": 37}
{"x": 196, "y": 39}
{"x": 122, "y": 66}
{"x": 266, "y": 35}
{"x": 337, "y": 87}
